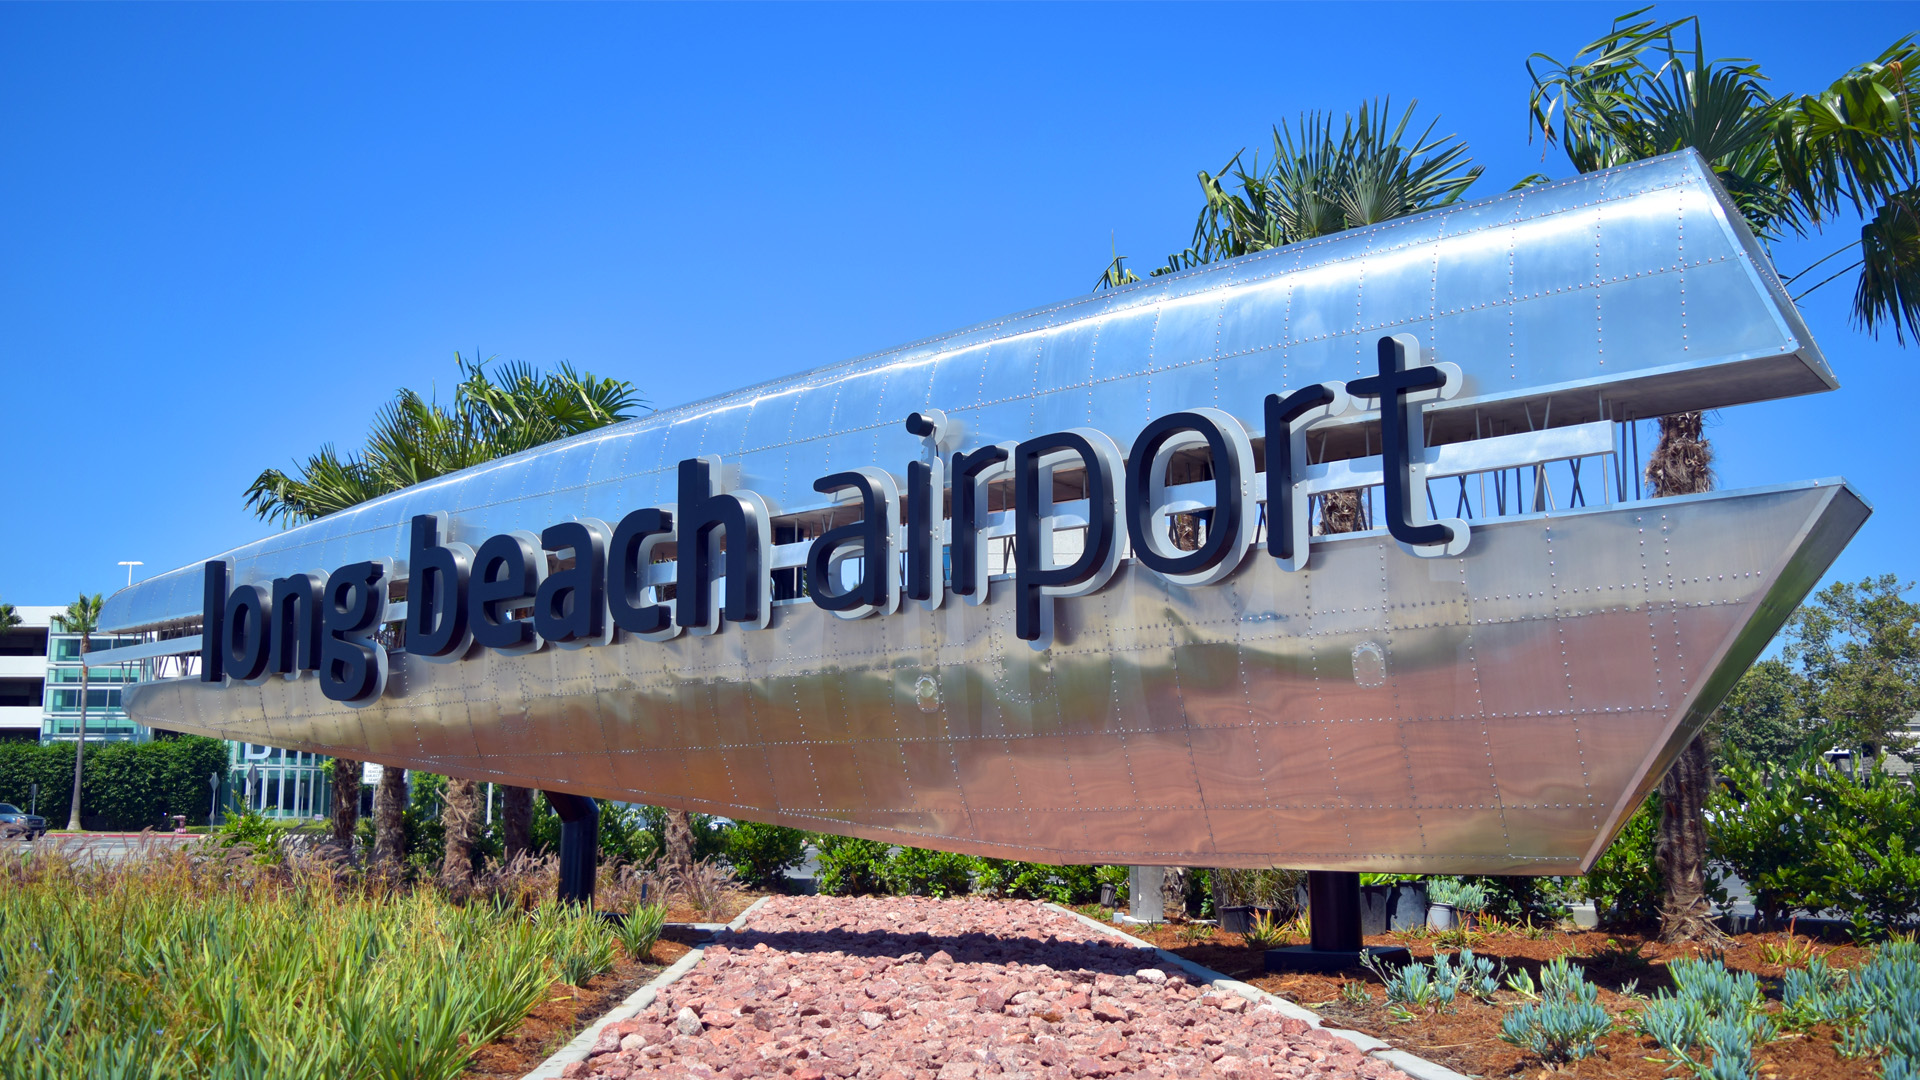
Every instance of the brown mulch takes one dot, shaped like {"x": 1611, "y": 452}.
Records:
{"x": 1468, "y": 1039}
{"x": 568, "y": 1011}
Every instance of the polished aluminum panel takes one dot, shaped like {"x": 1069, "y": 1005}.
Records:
{"x": 1496, "y": 712}
{"x": 1631, "y": 292}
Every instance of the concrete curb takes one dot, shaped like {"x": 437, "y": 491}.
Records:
{"x": 1416, "y": 1067}
{"x": 576, "y": 1049}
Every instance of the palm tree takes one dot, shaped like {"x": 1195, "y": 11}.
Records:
{"x": 1791, "y": 165}
{"x": 1319, "y": 183}
{"x": 9, "y": 618}
{"x": 494, "y": 413}
{"x": 81, "y": 617}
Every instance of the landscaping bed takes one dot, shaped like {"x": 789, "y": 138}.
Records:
{"x": 1627, "y": 970}
{"x": 567, "y": 1011}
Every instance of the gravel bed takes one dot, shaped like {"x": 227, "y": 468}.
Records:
{"x": 914, "y": 989}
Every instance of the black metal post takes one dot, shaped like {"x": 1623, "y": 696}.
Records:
{"x": 1333, "y": 910}
{"x": 1336, "y": 929}
{"x": 579, "y": 845}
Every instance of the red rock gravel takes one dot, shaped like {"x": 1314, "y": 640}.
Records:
{"x": 913, "y": 989}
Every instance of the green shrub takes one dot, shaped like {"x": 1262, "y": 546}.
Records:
{"x": 1625, "y": 884}
{"x": 125, "y": 787}
{"x": 912, "y": 871}
{"x": 1065, "y": 885}
{"x": 851, "y": 866}
{"x": 1564, "y": 1024}
{"x": 761, "y": 854}
{"x": 1808, "y": 837}
{"x": 1456, "y": 893}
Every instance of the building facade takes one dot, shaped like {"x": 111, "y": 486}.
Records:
{"x": 40, "y": 684}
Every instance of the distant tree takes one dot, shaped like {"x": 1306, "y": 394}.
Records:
{"x": 494, "y": 413}
{"x": 9, "y": 618}
{"x": 1766, "y": 717}
{"x": 1859, "y": 646}
{"x": 81, "y": 617}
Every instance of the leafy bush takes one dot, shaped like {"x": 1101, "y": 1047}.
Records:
{"x": 1808, "y": 837}
{"x": 850, "y": 866}
{"x": 1066, "y": 885}
{"x": 1625, "y": 884}
{"x": 125, "y": 786}
{"x": 919, "y": 872}
{"x": 1564, "y": 1024}
{"x": 761, "y": 854}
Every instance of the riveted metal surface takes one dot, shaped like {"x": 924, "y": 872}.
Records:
{"x": 1630, "y": 292}
{"x": 1496, "y": 712}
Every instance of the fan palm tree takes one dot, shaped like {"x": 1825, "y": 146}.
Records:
{"x": 1791, "y": 166}
{"x": 494, "y": 412}
{"x": 1319, "y": 182}
{"x": 9, "y": 618}
{"x": 81, "y": 617}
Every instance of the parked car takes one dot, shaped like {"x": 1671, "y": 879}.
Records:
{"x": 17, "y": 822}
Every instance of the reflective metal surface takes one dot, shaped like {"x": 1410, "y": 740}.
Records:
{"x": 1630, "y": 292}
{"x": 1499, "y": 711}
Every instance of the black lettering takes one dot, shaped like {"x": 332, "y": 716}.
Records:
{"x": 705, "y": 516}
{"x": 1232, "y": 458}
{"x": 297, "y": 623}
{"x": 1288, "y": 514}
{"x": 213, "y": 615}
{"x": 507, "y": 571}
{"x": 629, "y": 556}
{"x": 971, "y": 475}
{"x": 871, "y": 537}
{"x": 247, "y": 624}
{"x": 1400, "y": 440}
{"x": 1036, "y": 576}
{"x": 353, "y": 666}
{"x": 570, "y": 607}
{"x": 437, "y": 577}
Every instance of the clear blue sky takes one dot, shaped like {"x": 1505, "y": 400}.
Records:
{"x": 228, "y": 233}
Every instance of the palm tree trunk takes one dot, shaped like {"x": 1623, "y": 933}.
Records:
{"x": 516, "y": 820}
{"x": 1682, "y": 464}
{"x": 346, "y": 802}
{"x": 389, "y": 827}
{"x": 80, "y": 744}
{"x": 678, "y": 861}
{"x": 460, "y": 817}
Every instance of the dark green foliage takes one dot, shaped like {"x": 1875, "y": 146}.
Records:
{"x": 1037, "y": 881}
{"x": 1525, "y": 899}
{"x": 850, "y": 866}
{"x": 914, "y": 871}
{"x": 126, "y": 787}
{"x": 1765, "y": 717}
{"x": 761, "y": 854}
{"x": 1624, "y": 883}
{"x": 1810, "y": 837}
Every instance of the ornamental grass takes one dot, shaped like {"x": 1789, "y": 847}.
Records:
{"x": 204, "y": 963}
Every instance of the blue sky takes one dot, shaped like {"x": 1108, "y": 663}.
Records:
{"x": 228, "y": 233}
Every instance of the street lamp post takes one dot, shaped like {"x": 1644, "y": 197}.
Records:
{"x": 130, "y": 564}
{"x": 213, "y": 809}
